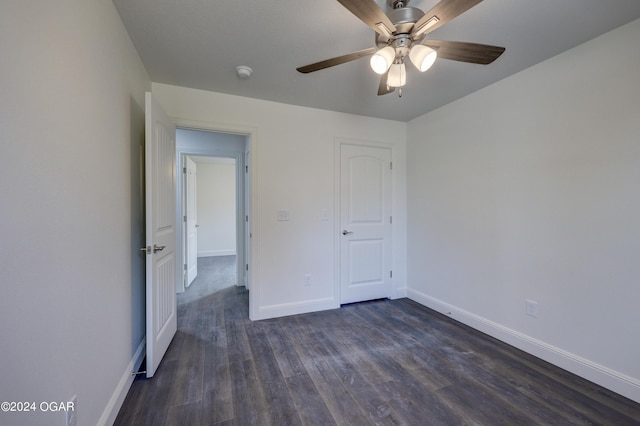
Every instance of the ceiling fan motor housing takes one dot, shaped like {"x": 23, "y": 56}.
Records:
{"x": 404, "y": 18}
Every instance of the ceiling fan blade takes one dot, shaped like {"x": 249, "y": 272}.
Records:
{"x": 440, "y": 14}
{"x": 465, "y": 52}
{"x": 384, "y": 88}
{"x": 337, "y": 60}
{"x": 371, "y": 14}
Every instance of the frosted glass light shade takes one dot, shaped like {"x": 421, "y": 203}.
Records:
{"x": 397, "y": 75}
{"x": 382, "y": 59}
{"x": 422, "y": 57}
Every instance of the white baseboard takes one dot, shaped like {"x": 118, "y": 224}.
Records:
{"x": 613, "y": 380}
{"x": 110, "y": 412}
{"x": 286, "y": 309}
{"x": 209, "y": 253}
{"x": 399, "y": 293}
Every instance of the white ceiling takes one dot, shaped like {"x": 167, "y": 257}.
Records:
{"x": 199, "y": 43}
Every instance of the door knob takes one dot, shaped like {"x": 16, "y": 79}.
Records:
{"x": 158, "y": 248}
{"x": 345, "y": 232}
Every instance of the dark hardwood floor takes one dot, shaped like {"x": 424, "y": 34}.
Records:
{"x": 372, "y": 363}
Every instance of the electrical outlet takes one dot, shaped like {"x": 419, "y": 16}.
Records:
{"x": 307, "y": 279}
{"x": 532, "y": 308}
{"x": 72, "y": 406}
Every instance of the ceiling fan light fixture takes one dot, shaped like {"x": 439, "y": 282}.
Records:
{"x": 382, "y": 59}
{"x": 422, "y": 57}
{"x": 397, "y": 75}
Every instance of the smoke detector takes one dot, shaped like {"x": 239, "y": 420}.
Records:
{"x": 243, "y": 71}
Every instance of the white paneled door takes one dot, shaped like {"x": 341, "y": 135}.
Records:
{"x": 365, "y": 223}
{"x": 160, "y": 186}
{"x": 191, "y": 222}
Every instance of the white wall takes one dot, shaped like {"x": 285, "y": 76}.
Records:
{"x": 71, "y": 128}
{"x": 216, "y": 208}
{"x": 529, "y": 189}
{"x": 293, "y": 169}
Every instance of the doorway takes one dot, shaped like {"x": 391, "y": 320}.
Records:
{"x": 213, "y": 204}
{"x": 209, "y": 223}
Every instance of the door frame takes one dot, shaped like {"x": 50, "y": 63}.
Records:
{"x": 339, "y": 141}
{"x": 184, "y": 161}
{"x": 245, "y": 178}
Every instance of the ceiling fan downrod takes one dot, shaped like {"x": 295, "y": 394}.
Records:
{"x": 397, "y": 4}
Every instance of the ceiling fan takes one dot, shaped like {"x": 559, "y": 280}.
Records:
{"x": 402, "y": 32}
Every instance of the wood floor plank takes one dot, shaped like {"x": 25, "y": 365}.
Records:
{"x": 278, "y": 401}
{"x": 279, "y": 404}
{"x": 288, "y": 360}
{"x": 190, "y": 414}
{"x": 347, "y": 372}
{"x": 479, "y": 405}
{"x": 308, "y": 401}
{"x": 134, "y": 404}
{"x": 155, "y": 395}
{"x": 343, "y": 408}
{"x": 375, "y": 405}
{"x": 249, "y": 406}
{"x": 216, "y": 375}
{"x": 343, "y": 338}
{"x": 238, "y": 346}
{"x": 217, "y": 406}
{"x": 409, "y": 388}
{"x": 188, "y": 380}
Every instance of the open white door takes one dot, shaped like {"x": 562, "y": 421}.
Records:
{"x": 365, "y": 223}
{"x": 191, "y": 222}
{"x": 160, "y": 186}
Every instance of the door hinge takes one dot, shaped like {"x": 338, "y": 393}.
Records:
{"x": 185, "y": 266}
{"x": 246, "y": 169}
{"x": 390, "y": 165}
{"x": 246, "y": 218}
{"x": 390, "y": 219}
{"x": 246, "y": 266}
{"x": 184, "y": 218}
{"x": 390, "y": 274}
{"x": 184, "y": 170}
